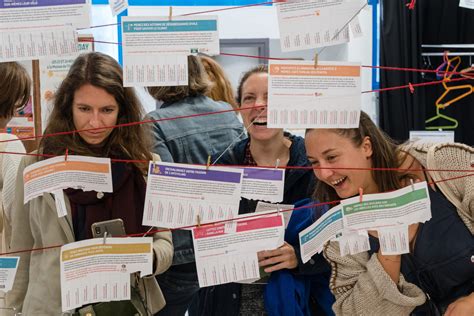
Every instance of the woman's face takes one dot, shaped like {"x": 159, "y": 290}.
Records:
{"x": 329, "y": 150}
{"x": 255, "y": 93}
{"x": 94, "y": 107}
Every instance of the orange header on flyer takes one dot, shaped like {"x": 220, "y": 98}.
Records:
{"x": 66, "y": 166}
{"x": 311, "y": 70}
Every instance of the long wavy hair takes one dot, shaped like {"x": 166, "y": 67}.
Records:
{"x": 221, "y": 88}
{"x": 385, "y": 154}
{"x": 128, "y": 142}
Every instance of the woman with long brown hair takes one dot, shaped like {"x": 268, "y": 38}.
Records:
{"x": 91, "y": 99}
{"x": 437, "y": 276}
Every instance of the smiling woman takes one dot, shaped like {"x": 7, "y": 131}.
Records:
{"x": 269, "y": 147}
{"x": 436, "y": 276}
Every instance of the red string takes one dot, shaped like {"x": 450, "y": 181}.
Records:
{"x": 413, "y": 85}
{"x": 407, "y": 69}
{"x": 194, "y": 13}
{"x": 133, "y": 123}
{"x": 267, "y": 167}
{"x": 206, "y": 113}
{"x": 215, "y": 222}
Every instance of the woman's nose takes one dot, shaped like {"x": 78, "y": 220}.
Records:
{"x": 94, "y": 120}
{"x": 324, "y": 172}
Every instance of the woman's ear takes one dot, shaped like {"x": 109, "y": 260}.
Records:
{"x": 367, "y": 147}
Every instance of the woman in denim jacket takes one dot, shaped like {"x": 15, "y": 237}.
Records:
{"x": 188, "y": 140}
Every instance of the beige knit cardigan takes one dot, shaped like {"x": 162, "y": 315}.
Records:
{"x": 359, "y": 282}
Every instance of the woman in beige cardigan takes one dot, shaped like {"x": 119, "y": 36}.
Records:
{"x": 437, "y": 276}
{"x": 90, "y": 97}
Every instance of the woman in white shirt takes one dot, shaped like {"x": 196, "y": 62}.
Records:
{"x": 14, "y": 95}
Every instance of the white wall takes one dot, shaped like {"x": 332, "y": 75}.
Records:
{"x": 252, "y": 22}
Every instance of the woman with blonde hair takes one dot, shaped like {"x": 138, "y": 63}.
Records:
{"x": 221, "y": 89}
{"x": 189, "y": 140}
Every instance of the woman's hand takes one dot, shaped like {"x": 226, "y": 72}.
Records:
{"x": 283, "y": 257}
{"x": 463, "y": 306}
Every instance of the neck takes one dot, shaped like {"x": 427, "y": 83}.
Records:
{"x": 267, "y": 152}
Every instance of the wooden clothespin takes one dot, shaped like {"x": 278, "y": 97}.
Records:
{"x": 65, "y": 155}
{"x": 361, "y": 193}
{"x": 170, "y": 13}
{"x": 198, "y": 220}
{"x": 277, "y": 163}
{"x": 105, "y": 238}
{"x": 208, "y": 164}
{"x": 412, "y": 185}
{"x": 411, "y": 87}
{"x": 316, "y": 56}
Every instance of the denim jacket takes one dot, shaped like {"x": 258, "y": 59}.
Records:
{"x": 192, "y": 140}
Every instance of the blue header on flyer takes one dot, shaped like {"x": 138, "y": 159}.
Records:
{"x": 170, "y": 26}
{"x": 318, "y": 228}
{"x": 8, "y": 263}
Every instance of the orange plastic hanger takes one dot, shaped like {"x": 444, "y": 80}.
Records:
{"x": 440, "y": 104}
{"x": 447, "y": 76}
{"x": 448, "y": 73}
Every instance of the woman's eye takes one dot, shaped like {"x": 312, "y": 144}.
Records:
{"x": 314, "y": 162}
{"x": 83, "y": 108}
{"x": 248, "y": 99}
{"x": 331, "y": 158}
{"x": 107, "y": 110}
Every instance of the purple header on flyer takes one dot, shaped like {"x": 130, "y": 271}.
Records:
{"x": 263, "y": 174}
{"x": 195, "y": 174}
{"x": 11, "y": 4}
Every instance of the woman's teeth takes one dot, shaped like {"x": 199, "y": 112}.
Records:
{"x": 260, "y": 122}
{"x": 339, "y": 181}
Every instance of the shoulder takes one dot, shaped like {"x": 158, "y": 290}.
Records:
{"x": 29, "y": 159}
{"x": 459, "y": 153}
{"x": 443, "y": 151}
{"x": 297, "y": 151}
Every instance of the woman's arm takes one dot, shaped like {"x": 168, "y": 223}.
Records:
{"x": 163, "y": 250}
{"x": 363, "y": 287}
{"x": 159, "y": 144}
{"x": 22, "y": 239}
